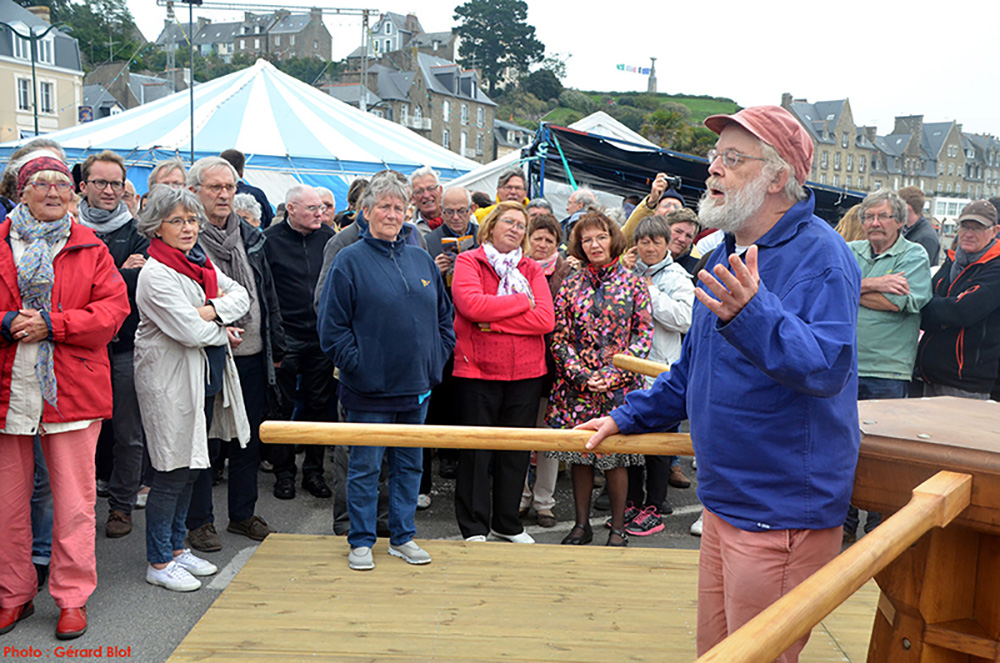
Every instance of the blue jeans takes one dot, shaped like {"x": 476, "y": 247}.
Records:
{"x": 166, "y": 511}
{"x": 406, "y": 465}
{"x": 41, "y": 510}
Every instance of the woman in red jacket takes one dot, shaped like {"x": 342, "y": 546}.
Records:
{"x": 61, "y": 302}
{"x": 503, "y": 309}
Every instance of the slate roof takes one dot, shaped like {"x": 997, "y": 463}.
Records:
{"x": 66, "y": 50}
{"x": 218, "y": 33}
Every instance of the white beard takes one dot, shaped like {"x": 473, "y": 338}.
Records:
{"x": 731, "y": 213}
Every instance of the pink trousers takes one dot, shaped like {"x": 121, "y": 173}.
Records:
{"x": 740, "y": 573}
{"x": 70, "y": 458}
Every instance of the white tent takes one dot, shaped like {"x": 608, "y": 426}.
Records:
{"x": 289, "y": 131}
{"x": 485, "y": 177}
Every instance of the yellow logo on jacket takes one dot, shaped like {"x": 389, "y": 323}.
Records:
{"x": 425, "y": 282}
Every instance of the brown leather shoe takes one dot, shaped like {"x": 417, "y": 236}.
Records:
{"x": 11, "y": 616}
{"x": 677, "y": 478}
{"x": 546, "y": 519}
{"x": 119, "y": 524}
{"x": 72, "y": 623}
{"x": 205, "y": 538}
{"x": 253, "y": 527}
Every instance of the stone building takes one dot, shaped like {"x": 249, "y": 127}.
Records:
{"x": 842, "y": 153}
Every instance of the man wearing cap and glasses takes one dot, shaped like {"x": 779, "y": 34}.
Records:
{"x": 767, "y": 376}
{"x": 960, "y": 347}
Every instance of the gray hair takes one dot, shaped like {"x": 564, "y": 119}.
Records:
{"x": 385, "y": 184}
{"x": 164, "y": 168}
{"x": 295, "y": 192}
{"x": 424, "y": 171}
{"x": 205, "y": 164}
{"x": 586, "y": 197}
{"x": 244, "y": 202}
{"x": 508, "y": 175}
{"x": 468, "y": 197}
{"x": 652, "y": 226}
{"x": 774, "y": 164}
{"x": 539, "y": 203}
{"x": 161, "y": 201}
{"x": 876, "y": 198}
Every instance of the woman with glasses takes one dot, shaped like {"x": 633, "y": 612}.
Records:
{"x": 185, "y": 376}
{"x": 601, "y": 309}
{"x": 62, "y": 302}
{"x": 503, "y": 309}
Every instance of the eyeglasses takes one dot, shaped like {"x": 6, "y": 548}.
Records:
{"x": 216, "y": 189}
{"x": 973, "y": 226}
{"x": 595, "y": 239}
{"x": 513, "y": 187}
{"x": 511, "y": 223}
{"x": 420, "y": 192}
{"x": 102, "y": 184}
{"x": 313, "y": 209}
{"x": 454, "y": 212}
{"x": 730, "y": 158}
{"x": 45, "y": 187}
{"x": 881, "y": 216}
{"x": 178, "y": 221}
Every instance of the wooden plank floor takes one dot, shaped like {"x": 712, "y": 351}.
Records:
{"x": 296, "y": 600}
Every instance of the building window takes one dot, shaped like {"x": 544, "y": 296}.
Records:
{"x": 291, "y": 40}
{"x": 876, "y": 185}
{"x": 45, "y": 50}
{"x": 404, "y": 113}
{"x": 277, "y": 40}
{"x": 446, "y": 110}
{"x": 824, "y": 160}
{"x": 479, "y": 144}
{"x": 861, "y": 182}
{"x": 388, "y": 27}
{"x": 315, "y": 44}
{"x": 446, "y": 138}
{"x": 45, "y": 97}
{"x": 822, "y": 178}
{"x": 388, "y": 46}
{"x": 951, "y": 169}
{"x": 850, "y": 163}
{"x": 948, "y": 187}
{"x": 23, "y": 94}
{"x": 847, "y": 182}
{"x": 256, "y": 44}
{"x": 463, "y": 143}
{"x": 836, "y": 160}
{"x": 861, "y": 164}
{"x": 465, "y": 114}
{"x": 22, "y": 48}
{"x": 843, "y": 140}
{"x": 836, "y": 180}
{"x": 418, "y": 114}
{"x": 480, "y": 114}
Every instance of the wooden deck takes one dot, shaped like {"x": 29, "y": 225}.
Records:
{"x": 296, "y": 600}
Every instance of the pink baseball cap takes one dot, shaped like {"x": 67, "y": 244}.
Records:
{"x": 778, "y": 128}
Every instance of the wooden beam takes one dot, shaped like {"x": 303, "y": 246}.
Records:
{"x": 468, "y": 437}
{"x": 640, "y": 366}
{"x": 935, "y": 503}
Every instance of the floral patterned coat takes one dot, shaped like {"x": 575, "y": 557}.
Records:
{"x": 598, "y": 314}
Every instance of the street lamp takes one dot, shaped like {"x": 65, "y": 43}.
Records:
{"x": 33, "y": 38}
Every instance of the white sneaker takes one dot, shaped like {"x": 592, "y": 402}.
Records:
{"x": 523, "y": 537}
{"x": 141, "y": 497}
{"x": 196, "y": 566}
{"x": 423, "y": 502}
{"x": 360, "y": 559}
{"x": 696, "y": 526}
{"x": 173, "y": 576}
{"x": 476, "y": 538}
{"x": 411, "y": 552}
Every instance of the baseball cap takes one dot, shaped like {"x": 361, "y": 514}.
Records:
{"x": 981, "y": 211}
{"x": 778, "y": 128}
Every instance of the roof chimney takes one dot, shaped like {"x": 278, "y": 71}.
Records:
{"x": 41, "y": 12}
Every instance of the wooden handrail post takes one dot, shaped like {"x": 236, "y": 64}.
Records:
{"x": 469, "y": 437}
{"x": 640, "y": 366}
{"x": 935, "y": 503}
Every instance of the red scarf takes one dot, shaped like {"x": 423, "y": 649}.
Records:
{"x": 434, "y": 221}
{"x": 203, "y": 275}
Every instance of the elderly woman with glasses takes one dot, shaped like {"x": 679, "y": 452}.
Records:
{"x": 63, "y": 301}
{"x": 601, "y": 309}
{"x": 185, "y": 377}
{"x": 503, "y": 309}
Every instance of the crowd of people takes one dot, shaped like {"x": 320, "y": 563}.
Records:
{"x": 185, "y": 317}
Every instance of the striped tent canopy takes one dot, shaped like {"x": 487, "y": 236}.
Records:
{"x": 287, "y": 129}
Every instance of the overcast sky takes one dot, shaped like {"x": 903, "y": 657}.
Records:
{"x": 938, "y": 60}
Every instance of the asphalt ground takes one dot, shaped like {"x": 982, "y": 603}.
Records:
{"x": 145, "y": 624}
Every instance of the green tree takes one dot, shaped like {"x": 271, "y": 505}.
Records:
{"x": 666, "y": 128}
{"x": 104, "y": 29}
{"x": 578, "y": 101}
{"x": 495, "y": 36}
{"x": 310, "y": 70}
{"x": 543, "y": 84}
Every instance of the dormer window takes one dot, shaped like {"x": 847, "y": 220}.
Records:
{"x": 388, "y": 28}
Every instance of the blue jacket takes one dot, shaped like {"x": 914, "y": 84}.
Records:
{"x": 384, "y": 318}
{"x": 772, "y": 395}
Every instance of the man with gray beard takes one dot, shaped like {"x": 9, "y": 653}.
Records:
{"x": 767, "y": 377}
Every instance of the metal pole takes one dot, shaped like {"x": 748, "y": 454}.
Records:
{"x": 34, "y": 83}
{"x": 191, "y": 82}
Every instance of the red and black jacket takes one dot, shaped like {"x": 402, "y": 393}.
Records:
{"x": 960, "y": 346}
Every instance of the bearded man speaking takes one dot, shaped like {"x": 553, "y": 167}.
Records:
{"x": 767, "y": 376}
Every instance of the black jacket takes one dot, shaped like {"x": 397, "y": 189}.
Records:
{"x": 121, "y": 244}
{"x": 960, "y": 347}
{"x": 923, "y": 233}
{"x": 271, "y": 328}
{"x": 295, "y": 261}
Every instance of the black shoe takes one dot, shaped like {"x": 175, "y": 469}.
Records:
{"x": 284, "y": 489}
{"x": 603, "y": 501}
{"x": 448, "y": 469}
{"x": 316, "y": 486}
{"x": 666, "y": 509}
{"x": 216, "y": 476}
{"x": 583, "y": 535}
{"x": 42, "y": 571}
{"x": 622, "y": 538}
